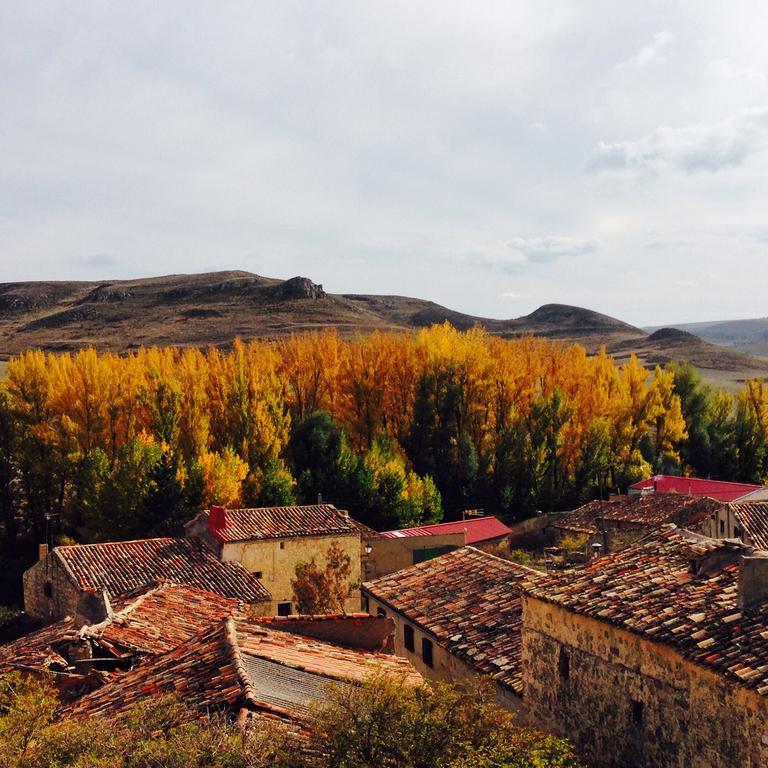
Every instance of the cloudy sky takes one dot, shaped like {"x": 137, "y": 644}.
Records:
{"x": 490, "y": 156}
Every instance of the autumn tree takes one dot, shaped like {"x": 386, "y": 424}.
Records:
{"x": 323, "y": 588}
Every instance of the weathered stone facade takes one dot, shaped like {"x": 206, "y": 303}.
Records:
{"x": 627, "y": 702}
{"x": 49, "y": 592}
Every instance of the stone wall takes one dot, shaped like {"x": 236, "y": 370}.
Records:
{"x": 626, "y": 702}
{"x": 276, "y": 560}
{"x": 48, "y": 592}
{"x": 445, "y": 666}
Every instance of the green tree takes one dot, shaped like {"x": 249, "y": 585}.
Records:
{"x": 388, "y": 723}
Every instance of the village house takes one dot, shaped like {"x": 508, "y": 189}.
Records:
{"x": 54, "y": 585}
{"x": 458, "y": 618}
{"x": 269, "y": 542}
{"x": 109, "y": 634}
{"x": 246, "y": 669}
{"x": 656, "y": 656}
{"x": 394, "y": 550}
{"x": 695, "y": 486}
{"x": 745, "y": 520}
{"x": 623, "y": 520}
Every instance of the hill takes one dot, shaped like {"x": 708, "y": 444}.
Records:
{"x": 213, "y": 308}
{"x": 749, "y": 336}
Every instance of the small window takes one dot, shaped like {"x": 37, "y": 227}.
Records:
{"x": 48, "y": 589}
{"x": 426, "y": 652}
{"x": 258, "y": 574}
{"x": 408, "y": 639}
{"x": 564, "y": 664}
{"x": 366, "y": 604}
{"x": 736, "y": 532}
{"x": 381, "y": 613}
{"x": 722, "y": 527}
{"x": 282, "y": 545}
{"x": 637, "y": 712}
{"x": 283, "y": 609}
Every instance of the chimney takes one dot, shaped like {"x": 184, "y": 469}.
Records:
{"x": 42, "y": 551}
{"x": 217, "y": 519}
{"x": 753, "y": 580}
{"x": 92, "y": 608}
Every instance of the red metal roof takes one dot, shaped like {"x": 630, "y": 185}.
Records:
{"x": 695, "y": 486}
{"x": 481, "y": 529}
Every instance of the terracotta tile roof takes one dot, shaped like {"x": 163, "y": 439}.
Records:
{"x": 650, "y": 589}
{"x": 469, "y": 601}
{"x": 122, "y": 566}
{"x": 147, "y": 622}
{"x": 652, "y": 510}
{"x": 236, "y": 664}
{"x": 36, "y": 650}
{"x": 696, "y": 486}
{"x": 753, "y": 518}
{"x": 475, "y": 531}
{"x": 283, "y": 522}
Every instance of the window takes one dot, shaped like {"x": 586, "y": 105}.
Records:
{"x": 722, "y": 527}
{"x": 258, "y": 574}
{"x": 282, "y": 545}
{"x": 381, "y": 613}
{"x": 408, "y": 639}
{"x": 637, "y": 712}
{"x": 421, "y": 555}
{"x": 366, "y": 604}
{"x": 564, "y": 664}
{"x": 284, "y": 609}
{"x": 48, "y": 589}
{"x": 426, "y": 652}
{"x": 736, "y": 532}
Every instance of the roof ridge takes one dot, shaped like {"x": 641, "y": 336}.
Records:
{"x": 230, "y": 639}
{"x": 510, "y": 563}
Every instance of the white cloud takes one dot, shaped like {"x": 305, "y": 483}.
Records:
{"x": 551, "y": 247}
{"x": 663, "y": 244}
{"x": 649, "y": 52}
{"x": 726, "y": 69}
{"x": 691, "y": 148}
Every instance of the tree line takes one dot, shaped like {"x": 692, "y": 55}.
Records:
{"x": 401, "y": 429}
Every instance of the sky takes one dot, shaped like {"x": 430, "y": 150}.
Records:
{"x": 492, "y": 156}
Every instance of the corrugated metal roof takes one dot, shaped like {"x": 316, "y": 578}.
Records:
{"x": 478, "y": 530}
{"x": 291, "y": 690}
{"x": 696, "y": 486}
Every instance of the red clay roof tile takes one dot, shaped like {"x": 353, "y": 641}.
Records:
{"x": 122, "y": 566}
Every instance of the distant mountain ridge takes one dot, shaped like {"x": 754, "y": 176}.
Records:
{"x": 749, "y": 336}
{"x": 213, "y": 308}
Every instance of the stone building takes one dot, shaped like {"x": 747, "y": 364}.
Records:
{"x": 106, "y": 635}
{"x": 269, "y": 542}
{"x": 743, "y": 520}
{"x": 623, "y": 520}
{"x": 394, "y": 550}
{"x": 246, "y": 669}
{"x": 54, "y": 585}
{"x": 656, "y": 656}
{"x": 458, "y": 618}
